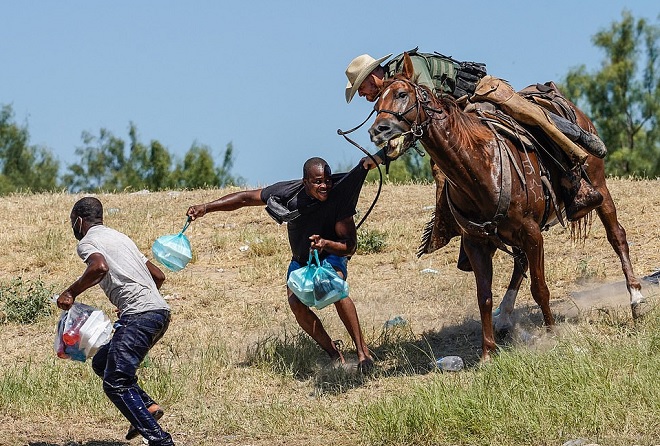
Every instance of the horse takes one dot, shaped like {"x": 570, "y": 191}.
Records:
{"x": 495, "y": 191}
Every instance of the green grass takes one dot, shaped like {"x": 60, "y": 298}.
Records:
{"x": 586, "y": 386}
{"x": 371, "y": 241}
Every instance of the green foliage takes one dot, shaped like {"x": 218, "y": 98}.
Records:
{"x": 623, "y": 97}
{"x": 581, "y": 388}
{"x": 371, "y": 241}
{"x": 410, "y": 167}
{"x": 23, "y": 167}
{"x": 106, "y": 165}
{"x": 25, "y": 301}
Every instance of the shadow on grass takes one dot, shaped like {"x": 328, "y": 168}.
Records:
{"x": 397, "y": 351}
{"x": 76, "y": 443}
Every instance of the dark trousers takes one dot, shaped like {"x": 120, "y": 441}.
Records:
{"x": 117, "y": 363}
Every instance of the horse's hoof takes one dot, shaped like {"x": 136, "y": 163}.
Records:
{"x": 640, "y": 308}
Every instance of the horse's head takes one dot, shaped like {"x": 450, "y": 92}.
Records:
{"x": 400, "y": 113}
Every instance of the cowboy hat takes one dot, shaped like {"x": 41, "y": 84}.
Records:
{"x": 357, "y": 72}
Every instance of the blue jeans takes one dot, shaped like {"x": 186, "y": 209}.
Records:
{"x": 117, "y": 363}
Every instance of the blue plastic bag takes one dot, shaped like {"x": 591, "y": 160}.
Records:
{"x": 317, "y": 284}
{"x": 173, "y": 251}
{"x": 328, "y": 286}
{"x": 301, "y": 281}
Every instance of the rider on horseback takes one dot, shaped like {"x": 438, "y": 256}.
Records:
{"x": 468, "y": 82}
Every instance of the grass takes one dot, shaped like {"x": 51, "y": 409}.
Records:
{"x": 580, "y": 388}
{"x": 234, "y": 368}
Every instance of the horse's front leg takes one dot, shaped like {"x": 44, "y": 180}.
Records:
{"x": 503, "y": 315}
{"x": 480, "y": 254}
{"x": 533, "y": 247}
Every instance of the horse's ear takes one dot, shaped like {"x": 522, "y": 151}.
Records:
{"x": 407, "y": 67}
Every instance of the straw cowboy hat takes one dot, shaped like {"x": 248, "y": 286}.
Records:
{"x": 357, "y": 72}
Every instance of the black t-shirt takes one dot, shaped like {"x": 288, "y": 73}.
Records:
{"x": 316, "y": 217}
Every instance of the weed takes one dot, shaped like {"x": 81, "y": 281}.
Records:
{"x": 25, "y": 301}
{"x": 371, "y": 241}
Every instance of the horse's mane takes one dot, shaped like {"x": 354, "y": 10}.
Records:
{"x": 467, "y": 128}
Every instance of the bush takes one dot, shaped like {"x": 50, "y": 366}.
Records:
{"x": 25, "y": 301}
{"x": 371, "y": 241}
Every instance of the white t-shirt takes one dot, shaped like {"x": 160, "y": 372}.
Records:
{"x": 128, "y": 283}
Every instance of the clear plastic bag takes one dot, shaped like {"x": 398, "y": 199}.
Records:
{"x": 173, "y": 251}
{"x": 81, "y": 331}
{"x": 317, "y": 284}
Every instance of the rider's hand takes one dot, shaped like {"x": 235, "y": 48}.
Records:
{"x": 369, "y": 164}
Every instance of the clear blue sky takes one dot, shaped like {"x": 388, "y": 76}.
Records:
{"x": 267, "y": 76}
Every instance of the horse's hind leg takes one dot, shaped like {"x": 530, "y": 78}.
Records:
{"x": 616, "y": 235}
{"x": 503, "y": 315}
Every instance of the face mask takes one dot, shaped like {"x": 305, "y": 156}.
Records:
{"x": 77, "y": 234}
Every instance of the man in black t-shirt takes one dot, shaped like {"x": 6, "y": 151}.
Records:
{"x": 319, "y": 210}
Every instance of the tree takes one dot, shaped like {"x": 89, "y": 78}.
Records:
{"x": 24, "y": 167}
{"x": 159, "y": 176}
{"x": 101, "y": 162}
{"x": 225, "y": 178}
{"x": 411, "y": 166}
{"x": 105, "y": 164}
{"x": 197, "y": 169}
{"x": 623, "y": 97}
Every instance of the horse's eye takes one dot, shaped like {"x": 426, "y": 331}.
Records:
{"x": 401, "y": 95}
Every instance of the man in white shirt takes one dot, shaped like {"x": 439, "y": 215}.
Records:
{"x": 132, "y": 284}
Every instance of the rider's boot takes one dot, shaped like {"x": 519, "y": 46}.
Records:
{"x": 588, "y": 141}
{"x": 579, "y": 196}
{"x": 592, "y": 143}
{"x": 525, "y": 112}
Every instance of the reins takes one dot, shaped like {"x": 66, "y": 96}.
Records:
{"x": 380, "y": 173}
{"x": 416, "y": 129}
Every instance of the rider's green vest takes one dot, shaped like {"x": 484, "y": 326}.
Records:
{"x": 442, "y": 74}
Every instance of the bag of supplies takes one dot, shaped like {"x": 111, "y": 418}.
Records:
{"x": 317, "y": 284}
{"x": 173, "y": 251}
{"x": 81, "y": 331}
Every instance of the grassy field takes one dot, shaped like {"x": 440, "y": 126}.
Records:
{"x": 235, "y": 369}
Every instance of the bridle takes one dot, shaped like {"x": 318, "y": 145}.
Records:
{"x": 421, "y": 104}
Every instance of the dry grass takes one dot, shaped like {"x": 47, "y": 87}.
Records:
{"x": 229, "y": 300}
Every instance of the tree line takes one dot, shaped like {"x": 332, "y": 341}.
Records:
{"x": 622, "y": 98}
{"x": 107, "y": 162}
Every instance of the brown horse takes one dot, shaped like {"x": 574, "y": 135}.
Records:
{"x": 495, "y": 190}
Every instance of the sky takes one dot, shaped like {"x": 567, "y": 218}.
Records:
{"x": 266, "y": 76}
